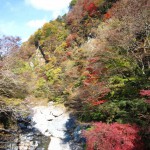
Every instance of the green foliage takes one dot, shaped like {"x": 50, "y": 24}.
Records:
{"x": 107, "y": 4}
{"x": 10, "y": 109}
{"x": 124, "y": 87}
{"x": 57, "y": 98}
{"x": 61, "y": 48}
{"x": 41, "y": 89}
{"x": 21, "y": 67}
{"x": 72, "y": 3}
{"x": 53, "y": 75}
{"x": 53, "y": 31}
{"x": 79, "y": 82}
{"x": 100, "y": 79}
{"x": 125, "y": 111}
{"x": 122, "y": 111}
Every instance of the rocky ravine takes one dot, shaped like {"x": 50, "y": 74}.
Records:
{"x": 55, "y": 122}
{"x": 48, "y": 127}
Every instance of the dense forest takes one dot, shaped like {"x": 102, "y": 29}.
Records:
{"x": 96, "y": 60}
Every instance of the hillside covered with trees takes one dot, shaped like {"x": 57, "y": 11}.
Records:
{"x": 96, "y": 60}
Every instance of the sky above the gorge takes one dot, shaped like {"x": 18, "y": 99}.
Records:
{"x": 23, "y": 17}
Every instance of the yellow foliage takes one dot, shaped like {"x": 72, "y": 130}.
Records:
{"x": 53, "y": 74}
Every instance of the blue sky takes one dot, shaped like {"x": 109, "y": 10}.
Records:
{"x": 23, "y": 17}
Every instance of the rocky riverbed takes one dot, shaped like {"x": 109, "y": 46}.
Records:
{"x": 49, "y": 127}
{"x": 58, "y": 124}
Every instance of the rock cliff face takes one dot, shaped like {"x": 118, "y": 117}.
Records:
{"x": 26, "y": 137}
{"x": 39, "y": 57}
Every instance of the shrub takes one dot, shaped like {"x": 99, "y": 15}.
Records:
{"x": 42, "y": 89}
{"x": 145, "y": 93}
{"x": 11, "y": 86}
{"x": 53, "y": 75}
{"x": 72, "y": 3}
{"x": 113, "y": 137}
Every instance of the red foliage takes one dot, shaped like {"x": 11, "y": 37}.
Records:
{"x": 90, "y": 69}
{"x": 91, "y": 78}
{"x": 70, "y": 39}
{"x": 81, "y": 9}
{"x": 93, "y": 60}
{"x": 113, "y": 137}
{"x": 107, "y": 16}
{"x": 64, "y": 58}
{"x": 68, "y": 53}
{"x": 147, "y": 101}
{"x": 145, "y": 93}
{"x": 90, "y": 8}
{"x": 95, "y": 89}
{"x": 99, "y": 102}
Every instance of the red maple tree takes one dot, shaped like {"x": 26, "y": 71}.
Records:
{"x": 113, "y": 137}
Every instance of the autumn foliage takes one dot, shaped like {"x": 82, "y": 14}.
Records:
{"x": 90, "y": 7}
{"x": 97, "y": 62}
{"x": 114, "y": 136}
{"x": 94, "y": 90}
{"x": 145, "y": 93}
{"x": 70, "y": 39}
{"x": 107, "y": 16}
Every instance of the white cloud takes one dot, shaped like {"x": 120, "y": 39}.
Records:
{"x": 49, "y": 5}
{"x": 36, "y": 23}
